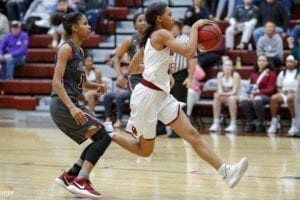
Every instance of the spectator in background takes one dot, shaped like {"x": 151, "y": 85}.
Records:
{"x": 262, "y": 87}
{"x": 220, "y": 8}
{"x": 57, "y": 30}
{"x": 4, "y": 26}
{"x": 271, "y": 45}
{"x": 38, "y": 14}
{"x": 16, "y": 9}
{"x": 271, "y": 10}
{"x": 294, "y": 43}
{"x": 195, "y": 12}
{"x": 194, "y": 92}
{"x": 93, "y": 75}
{"x": 13, "y": 51}
{"x": 120, "y": 94}
{"x": 93, "y": 10}
{"x": 226, "y": 94}
{"x": 242, "y": 21}
{"x": 286, "y": 89}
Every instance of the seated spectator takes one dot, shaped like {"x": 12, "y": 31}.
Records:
{"x": 4, "y": 26}
{"x": 93, "y": 10}
{"x": 271, "y": 10}
{"x": 286, "y": 89}
{"x": 194, "y": 92}
{"x": 262, "y": 87}
{"x": 93, "y": 75}
{"x": 16, "y": 9}
{"x": 242, "y": 21}
{"x": 57, "y": 30}
{"x": 271, "y": 45}
{"x": 195, "y": 12}
{"x": 13, "y": 50}
{"x": 221, "y": 6}
{"x": 120, "y": 94}
{"x": 294, "y": 43}
{"x": 226, "y": 94}
{"x": 38, "y": 14}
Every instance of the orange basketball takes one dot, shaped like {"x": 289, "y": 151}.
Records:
{"x": 209, "y": 37}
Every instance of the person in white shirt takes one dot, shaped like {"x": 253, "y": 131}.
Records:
{"x": 286, "y": 88}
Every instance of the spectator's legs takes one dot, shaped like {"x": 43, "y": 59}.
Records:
{"x": 108, "y": 100}
{"x": 275, "y": 102}
{"x": 230, "y": 8}
{"x": 246, "y": 106}
{"x": 291, "y": 104}
{"x": 220, "y": 8}
{"x": 21, "y": 6}
{"x": 229, "y": 37}
{"x": 259, "y": 107}
{"x": 11, "y": 12}
{"x": 247, "y": 32}
{"x": 232, "y": 105}
{"x": 192, "y": 98}
{"x": 258, "y": 32}
{"x": 12, "y": 63}
{"x": 120, "y": 99}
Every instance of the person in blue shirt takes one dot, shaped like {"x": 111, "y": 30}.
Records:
{"x": 13, "y": 50}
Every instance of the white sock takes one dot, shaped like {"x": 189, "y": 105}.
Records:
{"x": 274, "y": 120}
{"x": 293, "y": 122}
{"x": 233, "y": 122}
{"x": 216, "y": 120}
{"x": 222, "y": 170}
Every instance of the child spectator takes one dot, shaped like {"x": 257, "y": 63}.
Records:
{"x": 93, "y": 75}
{"x": 228, "y": 86}
{"x": 262, "y": 87}
{"x": 286, "y": 88}
{"x": 13, "y": 51}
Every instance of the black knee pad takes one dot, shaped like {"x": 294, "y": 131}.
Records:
{"x": 101, "y": 141}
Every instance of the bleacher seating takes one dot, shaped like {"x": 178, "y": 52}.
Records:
{"x": 33, "y": 80}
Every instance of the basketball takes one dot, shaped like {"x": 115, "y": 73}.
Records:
{"x": 209, "y": 37}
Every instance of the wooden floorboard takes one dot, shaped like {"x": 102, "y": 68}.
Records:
{"x": 31, "y": 158}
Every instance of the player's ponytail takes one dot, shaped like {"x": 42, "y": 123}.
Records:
{"x": 67, "y": 19}
{"x": 153, "y": 11}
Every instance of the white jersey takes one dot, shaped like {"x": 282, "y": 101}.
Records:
{"x": 288, "y": 81}
{"x": 156, "y": 65}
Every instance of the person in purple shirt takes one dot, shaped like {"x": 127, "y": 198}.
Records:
{"x": 13, "y": 50}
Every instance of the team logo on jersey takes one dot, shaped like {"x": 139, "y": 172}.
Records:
{"x": 81, "y": 67}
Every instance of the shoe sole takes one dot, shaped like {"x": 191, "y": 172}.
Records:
{"x": 79, "y": 193}
{"x": 61, "y": 183}
{"x": 243, "y": 168}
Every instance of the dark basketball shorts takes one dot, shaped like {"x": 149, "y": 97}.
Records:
{"x": 63, "y": 119}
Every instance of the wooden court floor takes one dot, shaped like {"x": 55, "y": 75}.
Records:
{"x": 31, "y": 158}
